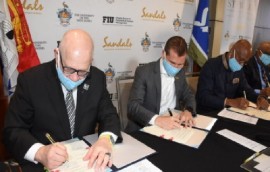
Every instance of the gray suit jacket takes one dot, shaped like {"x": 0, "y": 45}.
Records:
{"x": 145, "y": 95}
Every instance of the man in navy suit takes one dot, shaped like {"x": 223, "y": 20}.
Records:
{"x": 222, "y": 81}
{"x": 257, "y": 68}
{"x": 38, "y": 107}
{"x": 159, "y": 86}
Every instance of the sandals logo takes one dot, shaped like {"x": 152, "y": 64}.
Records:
{"x": 146, "y": 42}
{"x": 36, "y": 6}
{"x": 117, "y": 45}
{"x": 177, "y": 23}
{"x": 157, "y": 15}
{"x": 64, "y": 14}
{"x": 109, "y": 72}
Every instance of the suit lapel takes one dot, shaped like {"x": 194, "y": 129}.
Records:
{"x": 157, "y": 80}
{"x": 57, "y": 100}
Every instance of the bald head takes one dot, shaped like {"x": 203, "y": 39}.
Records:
{"x": 76, "y": 49}
{"x": 264, "y": 47}
{"x": 243, "y": 51}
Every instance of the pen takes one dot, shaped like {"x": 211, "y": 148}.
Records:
{"x": 49, "y": 138}
{"x": 245, "y": 96}
{"x": 170, "y": 112}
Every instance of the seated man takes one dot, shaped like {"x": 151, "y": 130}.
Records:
{"x": 223, "y": 83}
{"x": 66, "y": 98}
{"x": 256, "y": 70}
{"x": 161, "y": 85}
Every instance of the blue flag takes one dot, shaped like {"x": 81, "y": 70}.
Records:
{"x": 198, "y": 46}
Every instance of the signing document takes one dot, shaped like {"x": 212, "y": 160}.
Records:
{"x": 192, "y": 137}
{"x": 76, "y": 151}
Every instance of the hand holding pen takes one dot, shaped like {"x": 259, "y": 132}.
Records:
{"x": 53, "y": 155}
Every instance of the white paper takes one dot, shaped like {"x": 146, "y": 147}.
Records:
{"x": 204, "y": 122}
{"x": 250, "y": 144}
{"x": 130, "y": 150}
{"x": 141, "y": 166}
{"x": 264, "y": 163}
{"x": 188, "y": 136}
{"x": 238, "y": 117}
{"x": 253, "y": 112}
{"x": 76, "y": 151}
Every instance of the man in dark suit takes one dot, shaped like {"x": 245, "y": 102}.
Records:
{"x": 222, "y": 81}
{"x": 41, "y": 104}
{"x": 161, "y": 85}
{"x": 257, "y": 70}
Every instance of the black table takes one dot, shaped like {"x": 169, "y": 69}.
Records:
{"x": 216, "y": 153}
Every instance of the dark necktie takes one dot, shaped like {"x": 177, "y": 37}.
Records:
{"x": 264, "y": 77}
{"x": 71, "y": 111}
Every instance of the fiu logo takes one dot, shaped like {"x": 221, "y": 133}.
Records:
{"x": 118, "y": 44}
{"x": 153, "y": 15}
{"x": 177, "y": 23}
{"x": 64, "y": 14}
{"x": 146, "y": 42}
{"x": 110, "y": 73}
{"x": 36, "y": 6}
{"x": 108, "y": 19}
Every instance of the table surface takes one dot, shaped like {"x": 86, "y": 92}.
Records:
{"x": 216, "y": 153}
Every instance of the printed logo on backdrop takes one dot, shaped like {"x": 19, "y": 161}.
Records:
{"x": 110, "y": 1}
{"x": 64, "y": 15}
{"x": 117, "y": 21}
{"x": 177, "y": 23}
{"x": 186, "y": 1}
{"x": 40, "y": 45}
{"x": 33, "y": 7}
{"x": 119, "y": 44}
{"x": 157, "y": 15}
{"x": 227, "y": 35}
{"x": 124, "y": 74}
{"x": 146, "y": 42}
{"x": 109, "y": 72}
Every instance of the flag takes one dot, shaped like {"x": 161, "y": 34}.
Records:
{"x": 8, "y": 51}
{"x": 26, "y": 50}
{"x": 198, "y": 46}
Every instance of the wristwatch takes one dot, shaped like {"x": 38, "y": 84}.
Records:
{"x": 109, "y": 137}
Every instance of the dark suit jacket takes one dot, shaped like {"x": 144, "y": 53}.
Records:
{"x": 38, "y": 107}
{"x": 253, "y": 74}
{"x": 217, "y": 82}
{"x": 145, "y": 95}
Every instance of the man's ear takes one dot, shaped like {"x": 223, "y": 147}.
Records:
{"x": 164, "y": 53}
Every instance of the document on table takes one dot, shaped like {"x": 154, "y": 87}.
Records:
{"x": 204, "y": 122}
{"x": 76, "y": 151}
{"x": 238, "y": 117}
{"x": 141, "y": 166}
{"x": 258, "y": 161}
{"x": 253, "y": 112}
{"x": 250, "y": 144}
{"x": 188, "y": 136}
{"x": 127, "y": 152}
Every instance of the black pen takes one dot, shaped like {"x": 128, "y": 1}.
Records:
{"x": 170, "y": 112}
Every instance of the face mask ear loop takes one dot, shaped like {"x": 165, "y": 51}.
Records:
{"x": 234, "y": 53}
{"x": 261, "y": 52}
{"x": 58, "y": 58}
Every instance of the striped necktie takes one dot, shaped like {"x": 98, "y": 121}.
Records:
{"x": 71, "y": 111}
{"x": 264, "y": 77}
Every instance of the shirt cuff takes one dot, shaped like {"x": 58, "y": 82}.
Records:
{"x": 31, "y": 153}
{"x": 110, "y": 133}
{"x": 257, "y": 91}
{"x": 152, "y": 121}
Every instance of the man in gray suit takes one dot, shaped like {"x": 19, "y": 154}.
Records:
{"x": 160, "y": 86}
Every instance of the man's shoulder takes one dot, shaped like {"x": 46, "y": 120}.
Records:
{"x": 148, "y": 66}
{"x": 39, "y": 70}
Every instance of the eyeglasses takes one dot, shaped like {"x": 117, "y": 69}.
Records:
{"x": 69, "y": 70}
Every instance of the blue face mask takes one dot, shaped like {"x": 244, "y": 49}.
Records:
{"x": 265, "y": 59}
{"x": 234, "y": 65}
{"x": 68, "y": 83}
{"x": 171, "y": 70}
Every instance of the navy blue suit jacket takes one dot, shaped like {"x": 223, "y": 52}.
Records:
{"x": 217, "y": 82}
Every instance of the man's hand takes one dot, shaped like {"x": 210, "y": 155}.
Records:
{"x": 187, "y": 119}
{"x": 265, "y": 92}
{"x": 262, "y": 103}
{"x": 52, "y": 156}
{"x": 240, "y": 103}
{"x": 100, "y": 154}
{"x": 168, "y": 122}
